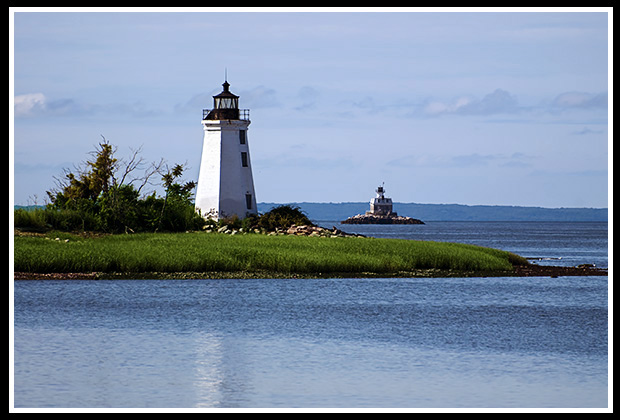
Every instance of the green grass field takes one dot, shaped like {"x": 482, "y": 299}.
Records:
{"x": 269, "y": 256}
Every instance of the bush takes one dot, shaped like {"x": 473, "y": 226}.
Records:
{"x": 281, "y": 217}
{"x": 98, "y": 198}
{"x": 31, "y": 219}
{"x": 43, "y": 219}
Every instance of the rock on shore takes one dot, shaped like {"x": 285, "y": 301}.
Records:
{"x": 301, "y": 230}
{"x": 318, "y": 231}
{"x": 373, "y": 219}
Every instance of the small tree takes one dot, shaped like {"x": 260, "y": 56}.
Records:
{"x": 106, "y": 194}
{"x": 177, "y": 211}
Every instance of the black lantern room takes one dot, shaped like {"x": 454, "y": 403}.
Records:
{"x": 225, "y": 105}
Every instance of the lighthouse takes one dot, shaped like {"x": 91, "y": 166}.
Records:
{"x": 225, "y": 184}
{"x": 381, "y": 205}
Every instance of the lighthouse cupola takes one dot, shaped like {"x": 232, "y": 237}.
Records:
{"x": 225, "y": 105}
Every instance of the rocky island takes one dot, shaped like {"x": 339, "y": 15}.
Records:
{"x": 381, "y": 213}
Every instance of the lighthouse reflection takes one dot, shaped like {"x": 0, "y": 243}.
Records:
{"x": 221, "y": 372}
{"x": 219, "y": 340}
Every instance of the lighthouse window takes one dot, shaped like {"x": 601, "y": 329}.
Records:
{"x": 248, "y": 201}
{"x": 242, "y": 136}
{"x": 244, "y": 159}
{"x": 226, "y": 103}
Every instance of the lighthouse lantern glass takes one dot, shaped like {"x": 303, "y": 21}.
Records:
{"x": 226, "y": 103}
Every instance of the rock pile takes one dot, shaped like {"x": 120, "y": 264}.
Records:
{"x": 318, "y": 231}
{"x": 302, "y": 230}
{"x": 373, "y": 219}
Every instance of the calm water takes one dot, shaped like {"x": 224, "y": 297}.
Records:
{"x": 482, "y": 342}
{"x": 546, "y": 243}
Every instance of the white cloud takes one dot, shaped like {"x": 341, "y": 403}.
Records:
{"x": 37, "y": 104}
{"x": 496, "y": 102}
{"x": 29, "y": 104}
{"x": 503, "y": 102}
{"x": 438, "y": 107}
{"x": 580, "y": 100}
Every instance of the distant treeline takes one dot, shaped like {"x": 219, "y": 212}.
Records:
{"x": 451, "y": 212}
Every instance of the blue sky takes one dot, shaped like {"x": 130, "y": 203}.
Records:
{"x": 498, "y": 108}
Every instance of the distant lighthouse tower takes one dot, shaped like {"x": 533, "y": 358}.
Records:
{"x": 381, "y": 205}
{"x": 225, "y": 185}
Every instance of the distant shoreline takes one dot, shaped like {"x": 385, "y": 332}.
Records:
{"x": 446, "y": 212}
{"x": 452, "y": 212}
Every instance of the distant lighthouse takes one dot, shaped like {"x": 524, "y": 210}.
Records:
{"x": 381, "y": 205}
{"x": 225, "y": 184}
{"x": 381, "y": 213}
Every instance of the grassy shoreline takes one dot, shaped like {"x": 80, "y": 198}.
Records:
{"x": 199, "y": 255}
{"x": 213, "y": 255}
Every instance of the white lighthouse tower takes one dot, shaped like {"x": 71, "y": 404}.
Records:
{"x": 225, "y": 184}
{"x": 381, "y": 205}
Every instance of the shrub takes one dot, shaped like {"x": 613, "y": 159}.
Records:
{"x": 282, "y": 217}
{"x": 105, "y": 196}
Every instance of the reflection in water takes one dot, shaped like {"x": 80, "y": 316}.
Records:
{"x": 475, "y": 342}
{"x": 221, "y": 372}
{"x": 208, "y": 379}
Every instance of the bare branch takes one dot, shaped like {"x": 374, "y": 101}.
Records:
{"x": 153, "y": 169}
{"x": 135, "y": 162}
